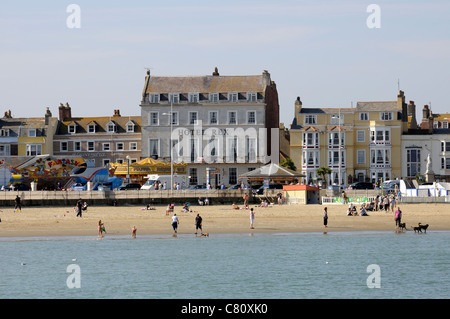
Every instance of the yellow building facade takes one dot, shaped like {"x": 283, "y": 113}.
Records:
{"x": 361, "y": 143}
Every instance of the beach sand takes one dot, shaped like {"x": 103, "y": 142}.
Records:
{"x": 62, "y": 221}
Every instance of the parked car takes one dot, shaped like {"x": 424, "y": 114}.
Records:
{"x": 20, "y": 187}
{"x": 197, "y": 187}
{"x": 238, "y": 186}
{"x": 129, "y": 186}
{"x": 334, "y": 187}
{"x": 361, "y": 185}
{"x": 260, "y": 190}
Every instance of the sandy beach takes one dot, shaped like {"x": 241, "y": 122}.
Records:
{"x": 62, "y": 221}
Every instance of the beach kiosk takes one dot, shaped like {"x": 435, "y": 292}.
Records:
{"x": 138, "y": 171}
{"x": 272, "y": 174}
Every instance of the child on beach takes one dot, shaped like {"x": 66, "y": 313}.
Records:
{"x": 133, "y": 232}
{"x": 101, "y": 229}
{"x": 252, "y": 218}
{"x": 325, "y": 217}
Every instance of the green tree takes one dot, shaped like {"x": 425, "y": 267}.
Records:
{"x": 288, "y": 163}
{"x": 324, "y": 171}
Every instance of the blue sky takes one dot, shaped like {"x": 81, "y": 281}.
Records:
{"x": 320, "y": 50}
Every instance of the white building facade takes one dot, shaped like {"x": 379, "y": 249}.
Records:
{"x": 220, "y": 125}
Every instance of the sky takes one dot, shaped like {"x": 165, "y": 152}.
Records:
{"x": 321, "y": 50}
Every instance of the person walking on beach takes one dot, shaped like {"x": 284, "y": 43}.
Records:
{"x": 79, "y": 207}
{"x": 175, "y": 222}
{"x": 198, "y": 223}
{"x": 252, "y": 218}
{"x": 245, "y": 201}
{"x": 325, "y": 217}
{"x": 17, "y": 204}
{"x": 133, "y": 232}
{"x": 101, "y": 229}
{"x": 386, "y": 203}
{"x": 398, "y": 217}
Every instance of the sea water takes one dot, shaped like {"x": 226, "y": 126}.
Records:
{"x": 297, "y": 265}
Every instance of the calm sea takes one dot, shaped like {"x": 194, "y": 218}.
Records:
{"x": 300, "y": 266}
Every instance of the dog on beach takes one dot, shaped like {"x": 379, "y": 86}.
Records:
{"x": 423, "y": 227}
{"x": 416, "y": 229}
{"x": 205, "y": 235}
{"x": 402, "y": 226}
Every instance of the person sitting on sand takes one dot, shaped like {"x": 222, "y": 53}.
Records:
{"x": 264, "y": 203}
{"x": 185, "y": 208}
{"x": 363, "y": 211}
{"x": 349, "y": 212}
{"x": 234, "y": 206}
{"x": 169, "y": 209}
{"x": 150, "y": 207}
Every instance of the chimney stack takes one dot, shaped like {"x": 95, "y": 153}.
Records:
{"x": 65, "y": 112}
{"x": 412, "y": 122}
{"x": 298, "y": 105}
{"x": 116, "y": 112}
{"x": 48, "y": 115}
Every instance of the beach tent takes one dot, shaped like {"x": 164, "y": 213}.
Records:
{"x": 273, "y": 172}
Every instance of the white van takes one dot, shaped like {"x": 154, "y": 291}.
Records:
{"x": 153, "y": 178}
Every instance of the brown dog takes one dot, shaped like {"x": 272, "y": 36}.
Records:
{"x": 205, "y": 235}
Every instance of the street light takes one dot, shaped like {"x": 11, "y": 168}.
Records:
{"x": 170, "y": 143}
{"x": 128, "y": 168}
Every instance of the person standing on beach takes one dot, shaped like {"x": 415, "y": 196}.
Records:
{"x": 100, "y": 229}
{"x": 325, "y": 217}
{"x": 245, "y": 201}
{"x": 252, "y": 218}
{"x": 398, "y": 217}
{"x": 133, "y": 232}
{"x": 198, "y": 223}
{"x": 17, "y": 204}
{"x": 175, "y": 222}
{"x": 79, "y": 207}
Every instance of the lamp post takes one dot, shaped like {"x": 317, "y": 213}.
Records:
{"x": 128, "y": 168}
{"x": 170, "y": 114}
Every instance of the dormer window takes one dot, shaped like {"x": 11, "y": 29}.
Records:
{"x": 130, "y": 127}
{"x": 32, "y": 132}
{"x": 91, "y": 128}
{"x": 232, "y": 97}
{"x": 251, "y": 97}
{"x": 214, "y": 97}
{"x": 174, "y": 97}
{"x": 72, "y": 128}
{"x": 193, "y": 97}
{"x": 110, "y": 127}
{"x": 153, "y": 98}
